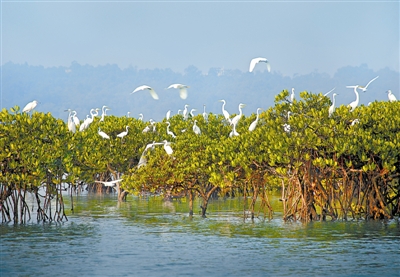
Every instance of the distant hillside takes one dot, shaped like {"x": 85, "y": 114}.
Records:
{"x": 82, "y": 87}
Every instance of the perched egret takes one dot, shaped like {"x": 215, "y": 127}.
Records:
{"x": 233, "y": 133}
{"x": 253, "y": 125}
{"x": 170, "y": 132}
{"x": 128, "y": 114}
{"x": 236, "y": 119}
{"x": 196, "y": 128}
{"x": 354, "y": 104}
{"x": 124, "y": 133}
{"x": 103, "y": 135}
{"x": 292, "y": 96}
{"x": 354, "y": 122}
{"x": 185, "y": 112}
{"x": 182, "y": 89}
{"x": 191, "y": 112}
{"x": 89, "y": 119}
{"x": 286, "y": 126}
{"x": 364, "y": 89}
{"x": 109, "y": 183}
{"x": 140, "y": 117}
{"x": 150, "y": 89}
{"x": 255, "y": 61}
{"x": 168, "y": 115}
{"x": 75, "y": 118}
{"x": 167, "y": 147}
{"x": 332, "y": 107}
{"x": 70, "y": 123}
{"x": 391, "y": 96}
{"x": 104, "y": 112}
{"x": 205, "y": 115}
{"x": 225, "y": 112}
{"x": 150, "y": 127}
{"x": 30, "y": 106}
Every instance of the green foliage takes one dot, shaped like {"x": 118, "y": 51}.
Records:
{"x": 321, "y": 155}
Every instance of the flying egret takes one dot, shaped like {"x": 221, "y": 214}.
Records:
{"x": 150, "y": 89}
{"x": 196, "y": 128}
{"x": 124, "y": 133}
{"x": 143, "y": 159}
{"x": 253, "y": 125}
{"x": 292, "y": 96}
{"x": 109, "y": 183}
{"x": 225, "y": 112}
{"x": 233, "y": 133}
{"x": 103, "y": 135}
{"x": 182, "y": 89}
{"x": 354, "y": 104}
{"x": 170, "y": 132}
{"x": 205, "y": 115}
{"x": 364, "y": 89}
{"x": 236, "y": 119}
{"x": 332, "y": 107}
{"x": 30, "y": 106}
{"x": 256, "y": 61}
{"x": 391, "y": 96}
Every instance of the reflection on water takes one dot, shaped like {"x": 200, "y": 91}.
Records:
{"x": 150, "y": 237}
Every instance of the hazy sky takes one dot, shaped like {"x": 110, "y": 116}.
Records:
{"x": 298, "y": 37}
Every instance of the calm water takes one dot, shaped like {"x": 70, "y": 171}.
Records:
{"x": 153, "y": 238}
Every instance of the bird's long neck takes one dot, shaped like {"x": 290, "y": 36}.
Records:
{"x": 356, "y": 92}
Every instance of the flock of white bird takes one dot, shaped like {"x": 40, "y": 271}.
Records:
{"x": 74, "y": 122}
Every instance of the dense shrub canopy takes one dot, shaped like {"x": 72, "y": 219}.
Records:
{"x": 339, "y": 166}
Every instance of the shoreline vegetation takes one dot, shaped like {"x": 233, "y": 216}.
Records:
{"x": 339, "y": 167}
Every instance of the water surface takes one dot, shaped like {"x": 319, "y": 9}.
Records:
{"x": 150, "y": 237}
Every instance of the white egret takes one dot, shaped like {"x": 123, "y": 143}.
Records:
{"x": 364, "y": 89}
{"x": 167, "y": 147}
{"x": 205, "y": 115}
{"x": 103, "y": 135}
{"x": 128, "y": 114}
{"x": 30, "y": 106}
{"x": 354, "y": 104}
{"x": 253, "y": 125}
{"x": 292, "y": 96}
{"x": 185, "y": 112}
{"x": 286, "y": 126}
{"x": 191, "y": 112}
{"x": 182, "y": 89}
{"x": 109, "y": 183}
{"x": 104, "y": 112}
{"x": 233, "y": 133}
{"x": 143, "y": 159}
{"x": 255, "y": 61}
{"x": 354, "y": 122}
{"x": 124, "y": 133}
{"x": 236, "y": 119}
{"x": 391, "y": 96}
{"x": 170, "y": 132}
{"x": 89, "y": 119}
{"x": 75, "y": 118}
{"x": 168, "y": 115}
{"x": 332, "y": 107}
{"x": 70, "y": 123}
{"x": 225, "y": 112}
{"x": 83, "y": 125}
{"x": 150, "y": 127}
{"x": 140, "y": 117}
{"x": 196, "y": 128}
{"x": 150, "y": 89}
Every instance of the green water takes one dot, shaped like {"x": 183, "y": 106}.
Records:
{"x": 155, "y": 238}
